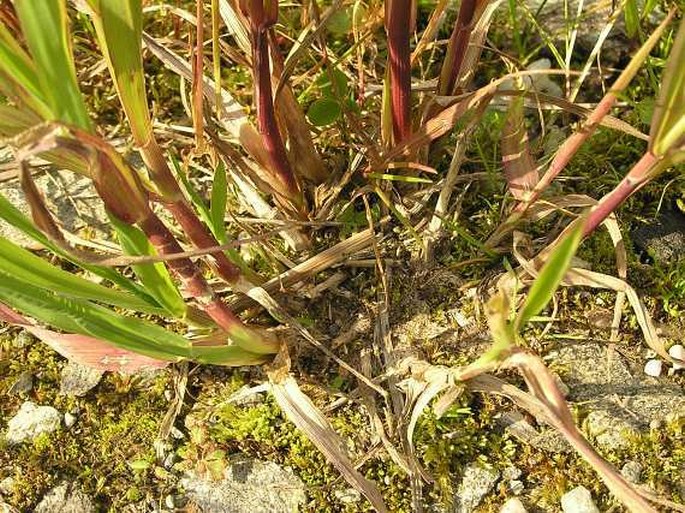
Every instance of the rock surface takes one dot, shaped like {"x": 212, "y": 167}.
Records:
{"x": 71, "y": 197}
{"x": 513, "y": 506}
{"x": 620, "y": 404}
{"x": 77, "y": 380}
{"x": 31, "y": 421}
{"x": 477, "y": 482}
{"x": 632, "y": 471}
{"x": 248, "y": 486}
{"x": 664, "y": 239}
{"x": 65, "y": 499}
{"x": 23, "y": 384}
{"x": 578, "y": 500}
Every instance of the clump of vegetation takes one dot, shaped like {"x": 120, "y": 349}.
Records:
{"x": 334, "y": 137}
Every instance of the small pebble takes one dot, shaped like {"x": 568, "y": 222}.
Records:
{"x": 23, "y": 384}
{"x": 169, "y": 461}
{"x": 513, "y": 506}
{"x": 169, "y": 502}
{"x": 511, "y": 473}
{"x": 516, "y": 486}
{"x": 69, "y": 420}
{"x": 7, "y": 485}
{"x": 177, "y": 433}
{"x": 677, "y": 352}
{"x": 631, "y": 471}
{"x": 348, "y": 496}
{"x": 653, "y": 368}
{"x": 578, "y": 500}
{"x": 22, "y": 340}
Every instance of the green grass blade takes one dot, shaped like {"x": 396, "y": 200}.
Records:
{"x": 218, "y": 203}
{"x": 551, "y": 274}
{"x": 129, "y": 333}
{"x": 26, "y": 266}
{"x": 17, "y": 65}
{"x": 11, "y": 215}
{"x": 154, "y": 277}
{"x": 45, "y": 26}
{"x": 85, "y": 318}
{"x": 119, "y": 26}
{"x": 668, "y": 121}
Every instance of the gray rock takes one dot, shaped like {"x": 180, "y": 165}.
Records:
{"x": 7, "y": 485}
{"x": 31, "y": 421}
{"x": 663, "y": 239}
{"x": 546, "y": 439}
{"x": 632, "y": 471}
{"x": 516, "y": 486}
{"x": 248, "y": 486}
{"x": 513, "y": 505}
{"x": 7, "y": 508}
{"x": 23, "y": 338}
{"x": 65, "y": 499}
{"x": 578, "y": 500}
{"x": 511, "y": 473}
{"x": 77, "y": 380}
{"x": 475, "y": 485}
{"x": 71, "y": 197}
{"x": 23, "y": 384}
{"x": 620, "y": 404}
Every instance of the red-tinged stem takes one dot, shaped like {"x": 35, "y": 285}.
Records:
{"x": 201, "y": 237}
{"x": 266, "y": 117}
{"x": 457, "y": 46}
{"x": 198, "y": 288}
{"x": 636, "y": 178}
{"x": 397, "y": 23}
{"x": 569, "y": 149}
{"x": 172, "y": 198}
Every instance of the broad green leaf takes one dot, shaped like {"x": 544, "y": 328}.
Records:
{"x": 119, "y": 26}
{"x": 45, "y": 26}
{"x": 218, "y": 202}
{"x": 154, "y": 277}
{"x": 26, "y": 266}
{"x": 323, "y": 112}
{"x": 668, "y": 121}
{"x": 85, "y": 318}
{"x": 129, "y": 333}
{"x": 332, "y": 84}
{"x": 11, "y": 215}
{"x": 551, "y": 274}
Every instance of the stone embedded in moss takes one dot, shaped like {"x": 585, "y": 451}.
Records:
{"x": 32, "y": 421}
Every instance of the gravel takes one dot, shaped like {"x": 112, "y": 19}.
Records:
{"x": 513, "y": 505}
